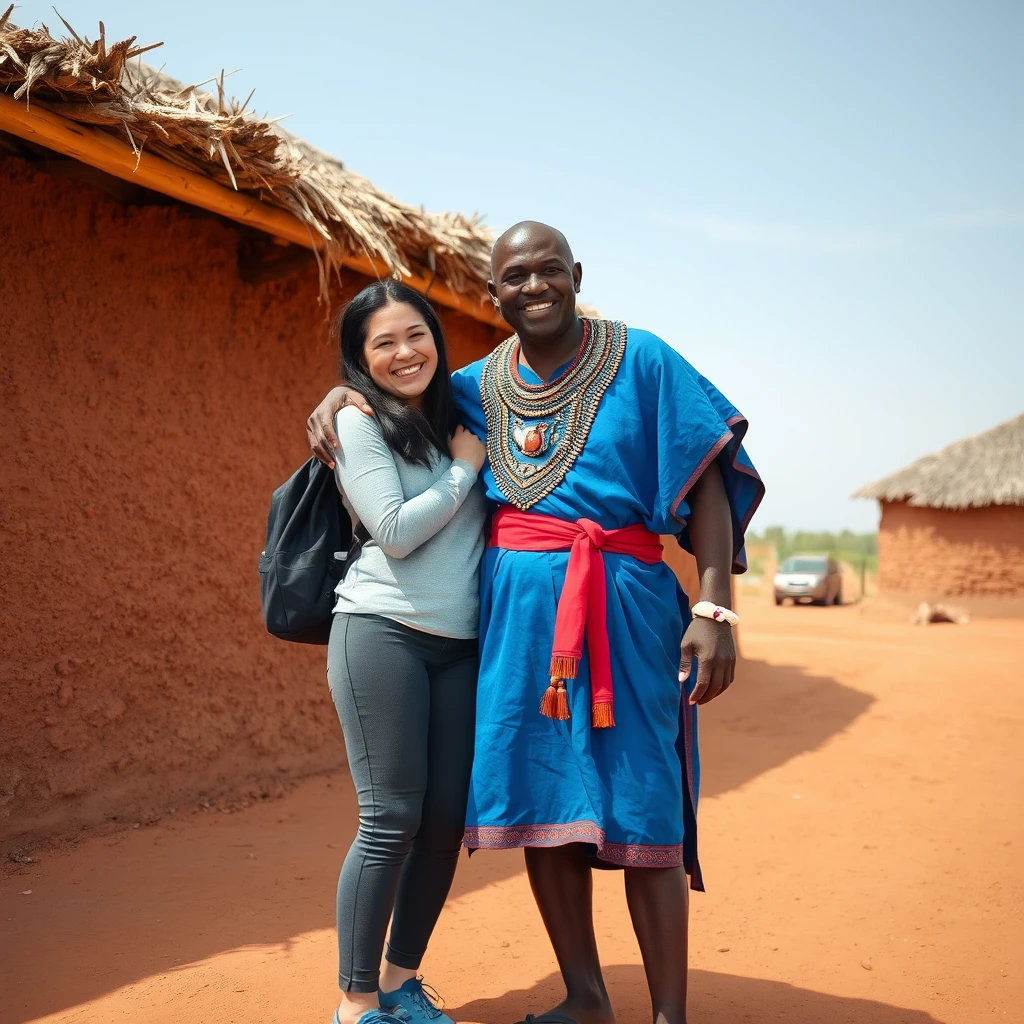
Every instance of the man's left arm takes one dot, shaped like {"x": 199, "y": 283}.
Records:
{"x": 711, "y": 537}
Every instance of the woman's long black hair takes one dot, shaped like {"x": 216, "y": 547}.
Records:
{"x": 418, "y": 435}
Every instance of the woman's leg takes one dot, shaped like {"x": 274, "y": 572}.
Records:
{"x": 430, "y": 867}
{"x": 380, "y": 686}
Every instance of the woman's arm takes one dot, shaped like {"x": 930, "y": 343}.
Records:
{"x": 367, "y": 474}
{"x": 709, "y": 641}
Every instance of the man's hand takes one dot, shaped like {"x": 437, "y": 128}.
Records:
{"x": 712, "y": 644}
{"x": 323, "y": 441}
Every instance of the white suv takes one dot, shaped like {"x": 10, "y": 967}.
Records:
{"x": 814, "y": 578}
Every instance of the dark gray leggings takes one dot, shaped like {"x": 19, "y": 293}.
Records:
{"x": 407, "y": 702}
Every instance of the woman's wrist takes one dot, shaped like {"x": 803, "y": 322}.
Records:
{"x": 467, "y": 467}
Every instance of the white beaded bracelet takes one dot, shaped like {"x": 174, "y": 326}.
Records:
{"x": 707, "y": 610}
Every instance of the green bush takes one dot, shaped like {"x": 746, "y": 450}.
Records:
{"x": 845, "y": 547}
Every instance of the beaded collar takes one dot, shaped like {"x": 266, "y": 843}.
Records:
{"x": 535, "y": 432}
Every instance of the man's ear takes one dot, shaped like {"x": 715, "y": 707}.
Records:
{"x": 577, "y": 276}
{"x": 493, "y": 292}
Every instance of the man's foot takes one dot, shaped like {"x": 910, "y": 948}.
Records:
{"x": 547, "y": 1018}
{"x": 418, "y": 1003}
{"x": 575, "y": 1012}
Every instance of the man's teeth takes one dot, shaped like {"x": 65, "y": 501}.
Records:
{"x": 538, "y": 305}
{"x": 408, "y": 371}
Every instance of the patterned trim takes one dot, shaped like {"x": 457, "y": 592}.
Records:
{"x": 511, "y": 837}
{"x": 730, "y": 441}
{"x": 713, "y": 452}
{"x": 739, "y": 421}
{"x": 562, "y": 411}
{"x": 625, "y": 855}
{"x": 633, "y": 856}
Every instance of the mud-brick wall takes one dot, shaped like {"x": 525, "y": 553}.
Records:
{"x": 151, "y": 400}
{"x": 977, "y": 552}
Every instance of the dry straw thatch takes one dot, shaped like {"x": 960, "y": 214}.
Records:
{"x": 107, "y": 87}
{"x": 987, "y": 469}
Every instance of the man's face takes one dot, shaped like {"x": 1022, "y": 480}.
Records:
{"x": 535, "y": 283}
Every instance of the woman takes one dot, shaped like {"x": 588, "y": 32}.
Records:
{"x": 402, "y": 658}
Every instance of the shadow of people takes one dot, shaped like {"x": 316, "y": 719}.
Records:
{"x": 771, "y": 714}
{"x": 714, "y": 999}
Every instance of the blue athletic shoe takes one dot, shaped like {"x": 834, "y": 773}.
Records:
{"x": 418, "y": 1004}
{"x": 377, "y": 1016}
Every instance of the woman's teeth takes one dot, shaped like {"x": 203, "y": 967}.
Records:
{"x": 408, "y": 371}
{"x": 538, "y": 305}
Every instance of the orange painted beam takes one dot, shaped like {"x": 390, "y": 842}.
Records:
{"x": 106, "y": 153}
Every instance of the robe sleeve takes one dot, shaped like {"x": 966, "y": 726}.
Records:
{"x": 466, "y": 391}
{"x": 697, "y": 425}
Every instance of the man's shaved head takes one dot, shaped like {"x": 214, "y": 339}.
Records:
{"x": 534, "y": 281}
{"x": 525, "y": 233}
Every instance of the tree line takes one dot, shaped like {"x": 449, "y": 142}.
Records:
{"x": 846, "y": 546}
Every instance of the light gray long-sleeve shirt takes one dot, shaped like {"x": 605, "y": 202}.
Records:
{"x": 421, "y": 565}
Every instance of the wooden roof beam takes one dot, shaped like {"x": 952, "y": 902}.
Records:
{"x": 98, "y": 149}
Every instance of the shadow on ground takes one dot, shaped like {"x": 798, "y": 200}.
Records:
{"x": 140, "y": 903}
{"x": 771, "y": 714}
{"x": 714, "y": 999}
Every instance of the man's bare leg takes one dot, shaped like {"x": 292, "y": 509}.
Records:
{"x": 563, "y": 888}
{"x": 658, "y": 900}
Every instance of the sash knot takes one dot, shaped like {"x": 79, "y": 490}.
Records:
{"x": 582, "y": 612}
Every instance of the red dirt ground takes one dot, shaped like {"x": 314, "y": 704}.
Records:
{"x": 861, "y": 837}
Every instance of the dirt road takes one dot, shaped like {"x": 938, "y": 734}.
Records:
{"x": 862, "y": 842}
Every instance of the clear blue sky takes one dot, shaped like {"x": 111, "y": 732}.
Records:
{"x": 820, "y": 204}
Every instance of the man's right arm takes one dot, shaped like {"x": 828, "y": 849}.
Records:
{"x": 323, "y": 441}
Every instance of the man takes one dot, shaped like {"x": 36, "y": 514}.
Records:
{"x": 600, "y": 438}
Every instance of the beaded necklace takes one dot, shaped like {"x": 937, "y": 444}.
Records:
{"x": 535, "y": 432}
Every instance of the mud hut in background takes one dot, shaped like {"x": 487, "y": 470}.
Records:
{"x": 168, "y": 260}
{"x": 953, "y": 522}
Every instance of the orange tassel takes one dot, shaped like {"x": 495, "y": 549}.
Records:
{"x": 564, "y": 668}
{"x": 555, "y": 703}
{"x": 602, "y": 716}
{"x": 562, "y": 704}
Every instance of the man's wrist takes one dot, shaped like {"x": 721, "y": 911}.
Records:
{"x": 715, "y": 612}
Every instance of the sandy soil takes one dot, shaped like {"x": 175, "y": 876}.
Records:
{"x": 861, "y": 839}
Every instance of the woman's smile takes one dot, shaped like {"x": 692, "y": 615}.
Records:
{"x": 407, "y": 371}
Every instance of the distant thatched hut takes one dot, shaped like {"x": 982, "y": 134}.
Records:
{"x": 167, "y": 263}
{"x": 953, "y": 522}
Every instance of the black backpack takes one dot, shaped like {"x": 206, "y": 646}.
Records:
{"x": 310, "y": 544}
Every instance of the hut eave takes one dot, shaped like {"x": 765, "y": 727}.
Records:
{"x": 96, "y": 103}
{"x": 975, "y": 472}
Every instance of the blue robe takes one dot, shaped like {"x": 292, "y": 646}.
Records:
{"x": 630, "y": 791}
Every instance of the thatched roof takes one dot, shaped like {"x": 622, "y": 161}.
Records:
{"x": 987, "y": 469}
{"x": 108, "y": 88}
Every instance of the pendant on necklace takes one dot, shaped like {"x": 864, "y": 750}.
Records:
{"x": 536, "y": 440}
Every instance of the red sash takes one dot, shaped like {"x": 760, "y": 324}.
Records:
{"x": 583, "y": 607}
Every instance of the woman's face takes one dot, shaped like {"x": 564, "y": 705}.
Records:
{"x": 400, "y": 353}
